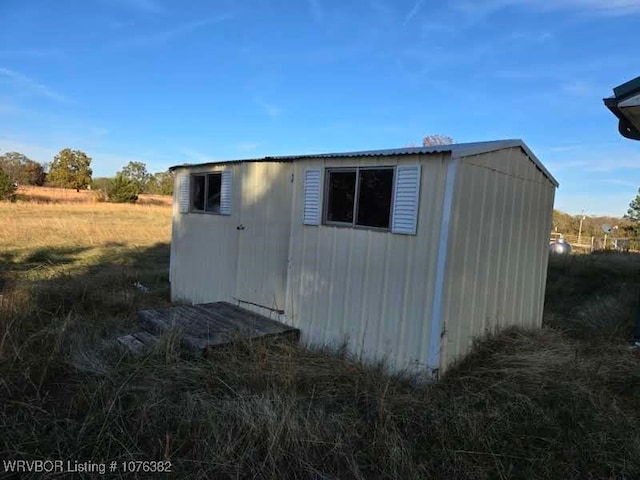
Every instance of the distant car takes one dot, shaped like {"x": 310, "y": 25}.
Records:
{"x": 560, "y": 247}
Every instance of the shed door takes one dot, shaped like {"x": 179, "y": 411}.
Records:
{"x": 265, "y": 218}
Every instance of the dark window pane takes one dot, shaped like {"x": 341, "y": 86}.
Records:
{"x": 341, "y": 191}
{"x": 374, "y": 198}
{"x": 214, "y": 183}
{"x": 197, "y": 192}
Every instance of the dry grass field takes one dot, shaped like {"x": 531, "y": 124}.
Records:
{"x": 563, "y": 402}
{"x": 47, "y": 195}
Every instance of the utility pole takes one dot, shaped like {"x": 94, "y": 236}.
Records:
{"x": 582, "y": 217}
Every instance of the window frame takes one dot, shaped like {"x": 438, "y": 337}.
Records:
{"x": 356, "y": 196}
{"x": 206, "y": 186}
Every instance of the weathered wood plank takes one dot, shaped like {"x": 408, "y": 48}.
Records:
{"x": 230, "y": 323}
{"x": 155, "y": 317}
{"x": 245, "y": 317}
{"x": 210, "y": 324}
{"x": 184, "y": 317}
{"x": 146, "y": 338}
{"x": 193, "y": 343}
{"x": 155, "y": 325}
{"x": 132, "y": 343}
{"x": 264, "y": 321}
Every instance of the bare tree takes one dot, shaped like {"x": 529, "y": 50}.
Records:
{"x": 432, "y": 140}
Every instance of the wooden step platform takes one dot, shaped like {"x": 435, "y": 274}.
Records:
{"x": 204, "y": 325}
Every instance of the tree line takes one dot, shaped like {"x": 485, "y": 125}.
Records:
{"x": 72, "y": 169}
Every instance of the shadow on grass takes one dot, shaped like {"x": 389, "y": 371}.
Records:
{"x": 106, "y": 287}
{"x": 522, "y": 405}
{"x": 6, "y": 260}
{"x": 114, "y": 244}
{"x": 11, "y": 265}
{"x": 593, "y": 296}
{"x": 97, "y": 290}
{"x": 54, "y": 255}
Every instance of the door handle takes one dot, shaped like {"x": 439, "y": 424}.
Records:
{"x": 240, "y": 227}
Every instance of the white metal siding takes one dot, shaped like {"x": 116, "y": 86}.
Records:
{"x": 241, "y": 255}
{"x": 372, "y": 288}
{"x": 204, "y": 249}
{"x": 498, "y": 249}
{"x": 265, "y": 216}
{"x": 376, "y": 288}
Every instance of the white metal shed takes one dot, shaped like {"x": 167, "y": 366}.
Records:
{"x": 406, "y": 254}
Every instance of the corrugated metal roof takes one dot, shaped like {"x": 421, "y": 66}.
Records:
{"x": 628, "y": 126}
{"x": 627, "y": 89}
{"x": 456, "y": 149}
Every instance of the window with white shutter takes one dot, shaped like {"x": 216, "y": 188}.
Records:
{"x": 210, "y": 193}
{"x": 312, "y": 182}
{"x": 406, "y": 199}
{"x": 359, "y": 197}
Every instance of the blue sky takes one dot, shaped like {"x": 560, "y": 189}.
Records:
{"x": 167, "y": 82}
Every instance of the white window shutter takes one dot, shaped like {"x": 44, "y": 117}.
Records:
{"x": 406, "y": 199}
{"x": 225, "y": 193}
{"x": 183, "y": 193}
{"x": 312, "y": 180}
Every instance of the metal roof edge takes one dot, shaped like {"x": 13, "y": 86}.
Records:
{"x": 487, "y": 147}
{"x": 539, "y": 164}
{"x": 627, "y": 89}
{"x": 458, "y": 150}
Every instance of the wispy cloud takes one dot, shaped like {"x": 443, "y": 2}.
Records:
{"x": 614, "y": 163}
{"x": 164, "y": 36}
{"x": 558, "y": 71}
{"x": 271, "y": 110}
{"x": 531, "y": 37}
{"x": 39, "y": 153}
{"x": 31, "y": 52}
{"x": 577, "y": 147}
{"x": 148, "y": 6}
{"x": 620, "y": 182}
{"x": 413, "y": 12}
{"x": 559, "y": 165}
{"x": 593, "y": 159}
{"x": 603, "y": 7}
{"x": 437, "y": 27}
{"x": 580, "y": 89}
{"x": 25, "y": 83}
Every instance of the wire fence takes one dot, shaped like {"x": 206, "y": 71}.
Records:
{"x": 605, "y": 242}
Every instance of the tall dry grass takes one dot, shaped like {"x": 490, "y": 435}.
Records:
{"x": 47, "y": 195}
{"x": 26, "y": 226}
{"x": 563, "y": 402}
